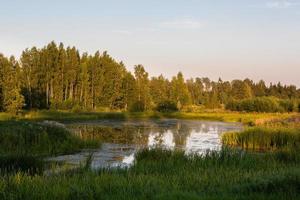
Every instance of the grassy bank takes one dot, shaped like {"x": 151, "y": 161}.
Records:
{"x": 264, "y": 139}
{"x": 23, "y": 144}
{"x": 246, "y": 118}
{"x": 38, "y": 139}
{"x": 162, "y": 174}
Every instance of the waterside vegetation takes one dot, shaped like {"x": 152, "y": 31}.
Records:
{"x": 161, "y": 174}
{"x": 24, "y": 145}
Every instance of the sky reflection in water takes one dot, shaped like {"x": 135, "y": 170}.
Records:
{"x": 122, "y": 139}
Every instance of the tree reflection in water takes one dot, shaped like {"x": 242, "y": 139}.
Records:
{"x": 122, "y": 139}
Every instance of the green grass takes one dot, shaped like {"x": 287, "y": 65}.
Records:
{"x": 160, "y": 174}
{"x": 6, "y": 116}
{"x": 17, "y": 137}
{"x": 157, "y": 174}
{"x": 245, "y": 118}
{"x": 264, "y": 138}
{"x": 24, "y": 144}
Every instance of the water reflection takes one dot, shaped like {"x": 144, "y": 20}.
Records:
{"x": 122, "y": 139}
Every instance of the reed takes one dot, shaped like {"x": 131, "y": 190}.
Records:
{"x": 161, "y": 174}
{"x": 23, "y": 145}
{"x": 264, "y": 138}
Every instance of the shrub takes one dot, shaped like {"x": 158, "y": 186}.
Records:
{"x": 67, "y": 105}
{"x": 193, "y": 108}
{"x": 262, "y": 104}
{"x": 77, "y": 109}
{"x": 233, "y": 105}
{"x": 288, "y": 105}
{"x": 138, "y": 106}
{"x": 167, "y": 106}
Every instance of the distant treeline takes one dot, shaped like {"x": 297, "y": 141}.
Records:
{"x": 58, "y": 77}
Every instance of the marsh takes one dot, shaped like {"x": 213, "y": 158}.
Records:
{"x": 122, "y": 139}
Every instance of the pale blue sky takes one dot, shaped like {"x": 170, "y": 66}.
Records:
{"x": 259, "y": 39}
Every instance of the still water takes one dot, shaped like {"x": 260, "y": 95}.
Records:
{"x": 122, "y": 139}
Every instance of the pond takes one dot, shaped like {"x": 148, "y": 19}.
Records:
{"x": 122, "y": 139}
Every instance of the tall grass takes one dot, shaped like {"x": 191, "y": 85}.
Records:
{"x": 37, "y": 139}
{"x": 24, "y": 144}
{"x": 6, "y": 116}
{"x": 29, "y": 164}
{"x": 264, "y": 138}
{"x": 161, "y": 174}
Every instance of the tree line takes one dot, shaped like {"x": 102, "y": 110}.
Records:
{"x": 59, "y": 77}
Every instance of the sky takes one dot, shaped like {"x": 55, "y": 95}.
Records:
{"x": 231, "y": 39}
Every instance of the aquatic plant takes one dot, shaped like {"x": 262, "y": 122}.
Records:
{"x": 264, "y": 138}
{"x": 24, "y": 144}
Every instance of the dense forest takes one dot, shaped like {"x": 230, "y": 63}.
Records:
{"x": 59, "y": 77}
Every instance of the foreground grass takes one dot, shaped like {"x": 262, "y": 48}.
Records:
{"x": 160, "y": 174}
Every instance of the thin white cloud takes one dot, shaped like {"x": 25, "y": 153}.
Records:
{"x": 182, "y": 24}
{"x": 281, "y": 4}
{"x": 122, "y": 32}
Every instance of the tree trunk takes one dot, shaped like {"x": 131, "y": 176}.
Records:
{"x": 47, "y": 94}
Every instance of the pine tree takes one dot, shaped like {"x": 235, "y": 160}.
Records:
{"x": 128, "y": 91}
{"x": 159, "y": 89}
{"x": 143, "y": 89}
{"x": 13, "y": 101}
{"x": 180, "y": 92}
{"x": 241, "y": 90}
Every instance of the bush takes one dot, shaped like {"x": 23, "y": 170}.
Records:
{"x": 138, "y": 106}
{"x": 167, "y": 106}
{"x": 65, "y": 105}
{"x": 193, "y": 108}
{"x": 77, "y": 109}
{"x": 262, "y": 104}
{"x": 288, "y": 105}
{"x": 233, "y": 105}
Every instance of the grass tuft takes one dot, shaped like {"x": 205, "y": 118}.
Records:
{"x": 264, "y": 138}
